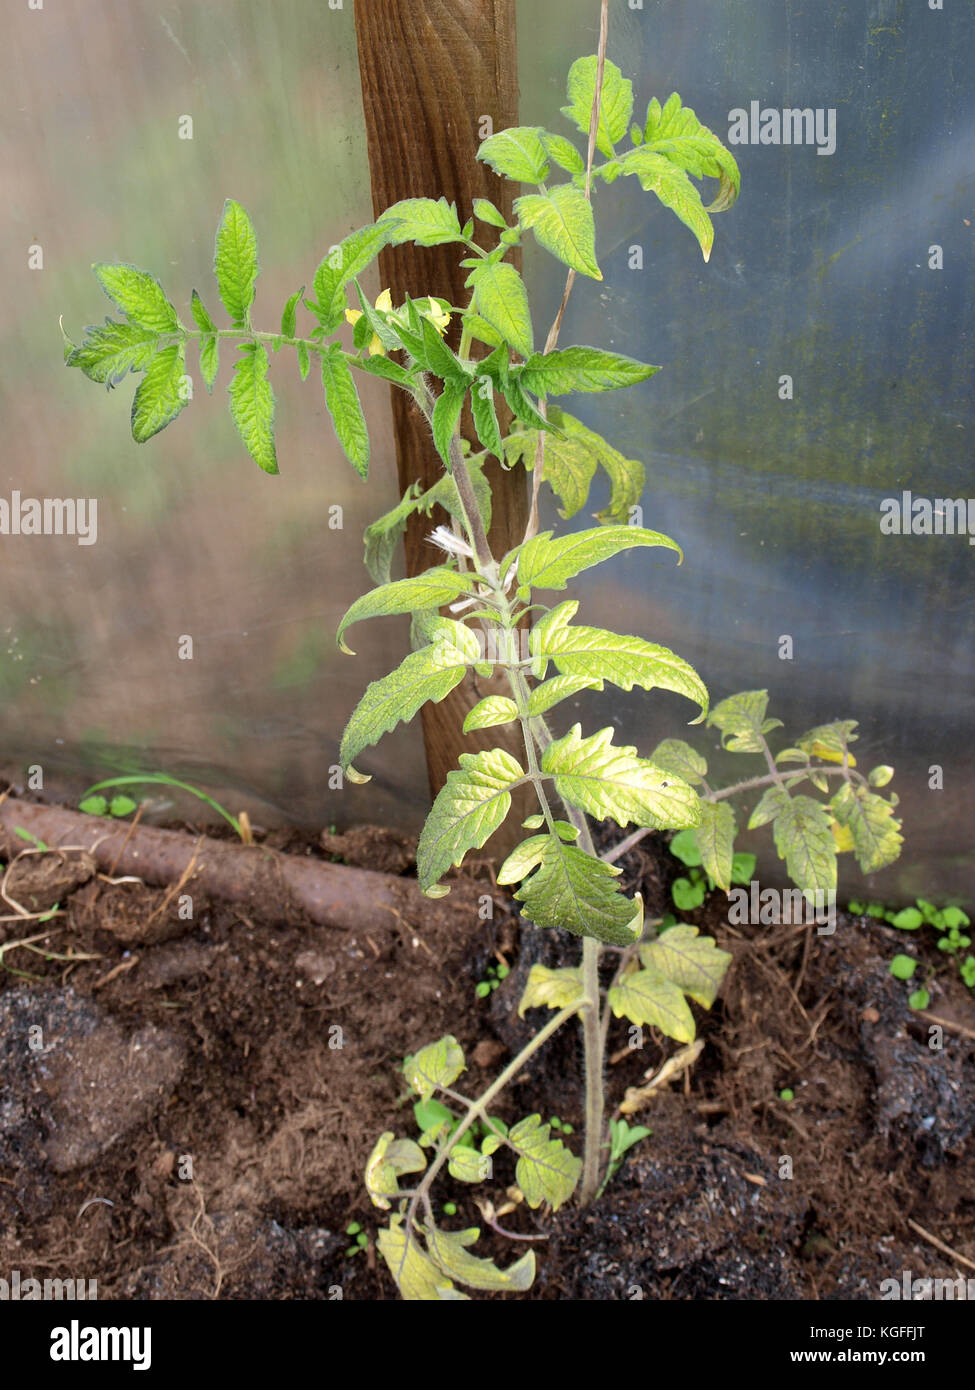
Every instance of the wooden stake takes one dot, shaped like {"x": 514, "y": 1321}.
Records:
{"x": 432, "y": 74}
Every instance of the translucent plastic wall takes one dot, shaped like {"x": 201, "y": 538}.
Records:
{"x": 818, "y": 365}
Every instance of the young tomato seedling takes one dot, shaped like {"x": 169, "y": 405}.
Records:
{"x": 558, "y": 879}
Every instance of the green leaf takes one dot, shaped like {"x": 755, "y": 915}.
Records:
{"x": 468, "y": 1165}
{"x": 502, "y": 300}
{"x": 871, "y": 821}
{"x": 93, "y": 806}
{"x": 304, "y": 361}
{"x": 431, "y": 589}
{"x": 200, "y": 313}
{"x": 289, "y": 314}
{"x": 485, "y": 211}
{"x": 551, "y": 989}
{"x": 383, "y": 367}
{"x": 684, "y": 846}
{"x": 160, "y": 395}
{"x": 544, "y": 563}
{"x": 903, "y": 967}
{"x": 390, "y": 334}
{"x": 626, "y": 476}
{"x": 438, "y": 1064}
{"x": 568, "y": 470}
{"x": 382, "y": 537}
{"x": 563, "y": 223}
{"x": 482, "y": 331}
{"x": 648, "y": 998}
{"x": 428, "y": 674}
{"x": 774, "y": 800}
{"x": 741, "y": 719}
{"x": 616, "y": 101}
{"x": 676, "y": 133}
{"x": 468, "y": 809}
{"x": 450, "y": 1252}
{"x": 691, "y": 962}
{"x": 571, "y": 461}
{"x": 544, "y": 696}
{"x": 602, "y": 655}
{"x": 676, "y": 756}
{"x": 252, "y": 405}
{"x": 606, "y": 780}
{"x": 439, "y": 357}
{"x": 517, "y": 154}
{"x": 235, "y": 264}
{"x": 139, "y": 295}
{"x": 546, "y": 1171}
{"x": 562, "y": 152}
{"x": 792, "y": 755}
{"x": 111, "y": 350}
{"x": 418, "y": 1279}
{"x": 486, "y": 417}
{"x": 423, "y": 221}
{"x": 444, "y": 494}
{"x": 581, "y": 369}
{"x": 209, "y": 360}
{"x": 121, "y": 806}
{"x": 716, "y": 836}
{"x": 520, "y": 403}
{"x": 830, "y": 741}
{"x": 803, "y": 838}
{"x": 570, "y": 889}
{"x": 674, "y": 189}
{"x": 446, "y": 413}
{"x": 688, "y": 893}
{"x": 492, "y": 710}
{"x": 342, "y": 400}
{"x": 390, "y": 1158}
{"x": 349, "y": 259}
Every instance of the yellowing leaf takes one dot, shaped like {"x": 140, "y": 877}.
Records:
{"x": 552, "y": 989}
{"x": 418, "y": 1279}
{"x": 390, "y": 1158}
{"x": 647, "y": 997}
{"x": 692, "y": 962}
{"x": 438, "y": 1064}
{"x": 450, "y": 1250}
{"x": 546, "y": 1171}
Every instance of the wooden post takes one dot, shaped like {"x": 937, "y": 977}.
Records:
{"x": 431, "y": 71}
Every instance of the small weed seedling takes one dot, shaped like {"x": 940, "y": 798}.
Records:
{"x": 97, "y": 805}
{"x": 501, "y": 618}
{"x": 952, "y": 924}
{"x": 493, "y": 976}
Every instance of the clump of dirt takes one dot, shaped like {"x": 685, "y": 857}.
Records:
{"x": 188, "y": 1103}
{"x": 371, "y": 847}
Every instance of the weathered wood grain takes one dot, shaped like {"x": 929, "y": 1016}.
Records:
{"x": 430, "y": 71}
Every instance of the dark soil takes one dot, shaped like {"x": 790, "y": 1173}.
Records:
{"x": 187, "y": 1105}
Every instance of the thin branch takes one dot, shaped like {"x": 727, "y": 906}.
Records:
{"x": 538, "y": 471}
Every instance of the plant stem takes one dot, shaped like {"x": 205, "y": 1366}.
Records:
{"x": 752, "y": 784}
{"x": 592, "y": 1038}
{"x": 478, "y": 1108}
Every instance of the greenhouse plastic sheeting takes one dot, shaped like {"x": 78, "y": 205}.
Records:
{"x": 818, "y": 365}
